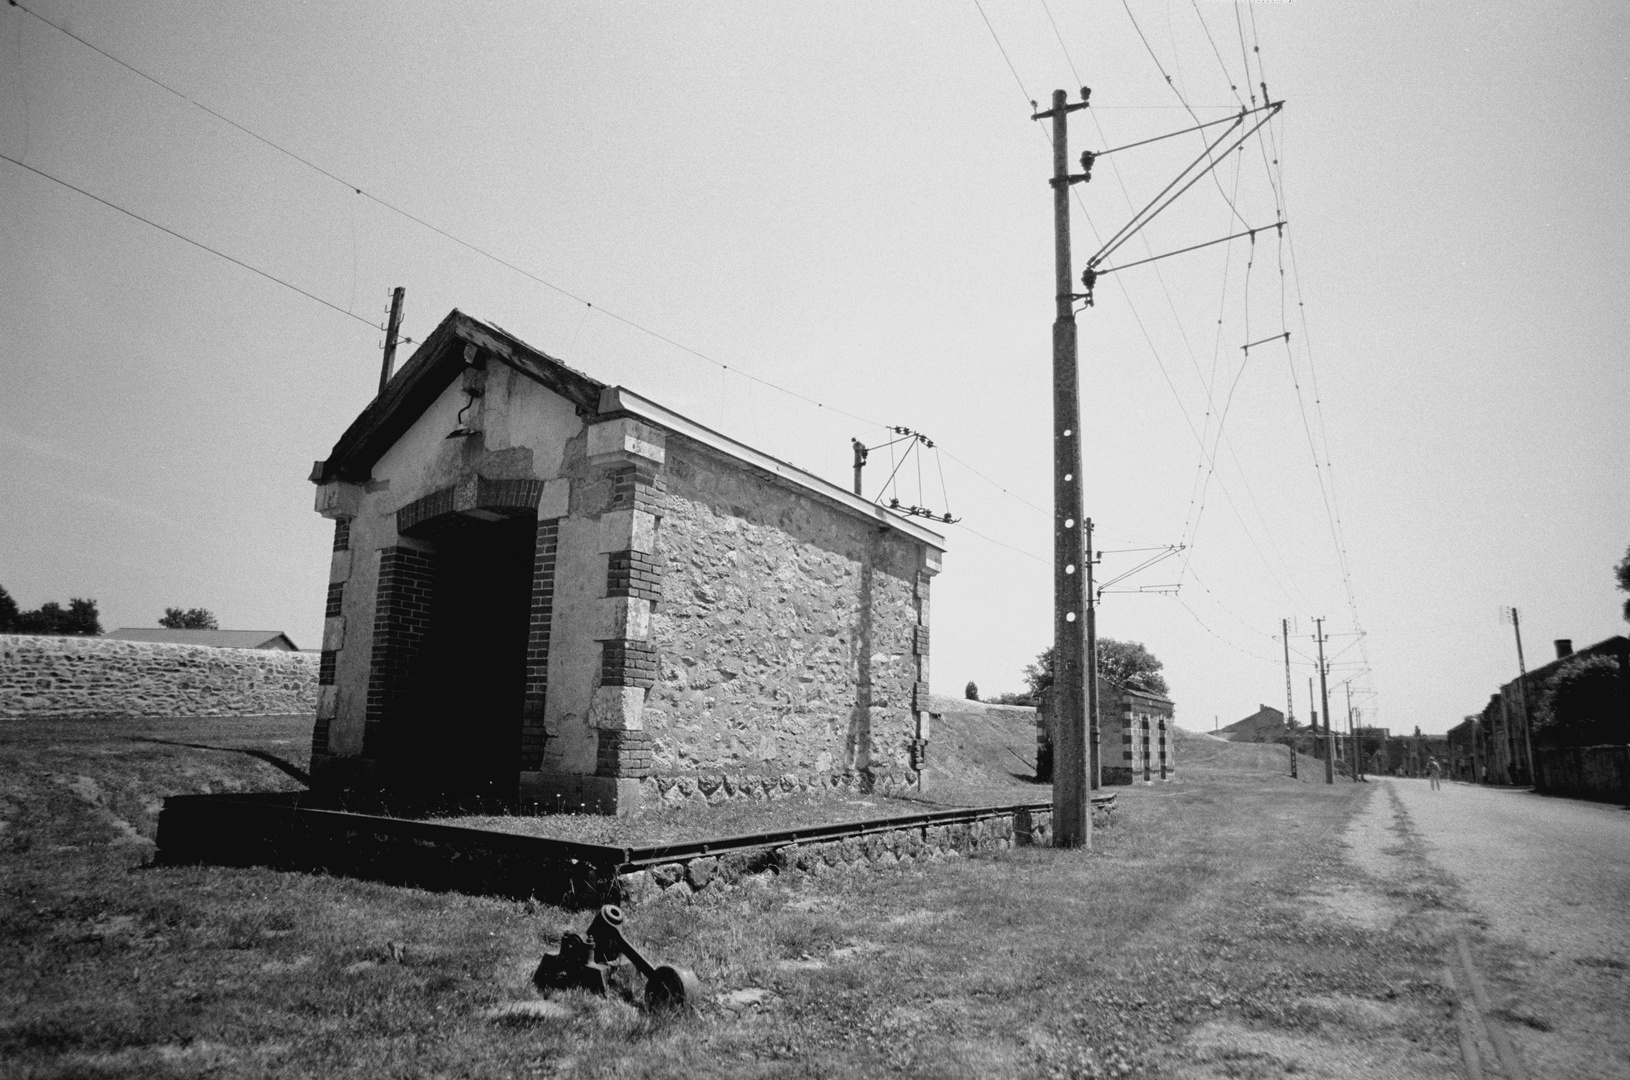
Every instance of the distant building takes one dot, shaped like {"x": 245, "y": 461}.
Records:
{"x": 215, "y": 639}
{"x": 1267, "y": 724}
{"x": 1502, "y": 739}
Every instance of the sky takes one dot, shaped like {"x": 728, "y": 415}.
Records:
{"x": 802, "y": 224}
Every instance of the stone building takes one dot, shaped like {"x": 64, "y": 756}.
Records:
{"x": 552, "y": 591}
{"x": 1502, "y": 740}
{"x": 1135, "y": 738}
{"x": 1267, "y": 724}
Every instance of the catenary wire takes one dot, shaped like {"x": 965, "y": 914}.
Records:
{"x": 475, "y": 248}
{"x": 195, "y": 243}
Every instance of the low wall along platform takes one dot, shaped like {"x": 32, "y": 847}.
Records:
{"x": 69, "y": 677}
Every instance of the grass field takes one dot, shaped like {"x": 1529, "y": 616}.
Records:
{"x": 1191, "y": 917}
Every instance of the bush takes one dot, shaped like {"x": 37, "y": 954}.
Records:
{"x": 971, "y": 691}
{"x": 1584, "y": 704}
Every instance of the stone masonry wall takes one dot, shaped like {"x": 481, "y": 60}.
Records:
{"x": 785, "y": 634}
{"x": 916, "y": 844}
{"x": 64, "y": 677}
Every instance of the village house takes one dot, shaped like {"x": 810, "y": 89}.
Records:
{"x": 1267, "y": 724}
{"x": 558, "y": 593}
{"x": 1499, "y": 739}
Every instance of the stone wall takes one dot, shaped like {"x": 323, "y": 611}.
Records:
{"x": 881, "y": 849}
{"x": 1601, "y": 773}
{"x": 787, "y": 635}
{"x": 51, "y": 677}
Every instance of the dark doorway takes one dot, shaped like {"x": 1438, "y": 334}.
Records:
{"x": 463, "y": 745}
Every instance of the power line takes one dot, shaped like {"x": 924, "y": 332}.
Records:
{"x": 1018, "y": 81}
{"x": 195, "y": 243}
{"x": 1204, "y": 475}
{"x": 475, "y": 248}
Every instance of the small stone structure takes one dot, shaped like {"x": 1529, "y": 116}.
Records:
{"x": 64, "y": 677}
{"x": 554, "y": 591}
{"x": 1135, "y": 740}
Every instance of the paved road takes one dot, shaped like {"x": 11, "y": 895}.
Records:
{"x": 1550, "y": 880}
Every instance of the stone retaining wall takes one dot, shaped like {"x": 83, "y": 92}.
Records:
{"x": 716, "y": 788}
{"x": 66, "y": 677}
{"x": 879, "y": 850}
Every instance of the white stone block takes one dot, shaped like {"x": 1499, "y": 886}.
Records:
{"x": 622, "y": 618}
{"x": 628, "y": 530}
{"x": 339, "y": 567}
{"x": 618, "y": 708}
{"x": 556, "y": 499}
{"x": 334, "y": 633}
{"x": 338, "y": 499}
{"x": 328, "y": 702}
{"x": 625, "y": 440}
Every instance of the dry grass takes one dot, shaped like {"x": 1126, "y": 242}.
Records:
{"x": 1189, "y": 918}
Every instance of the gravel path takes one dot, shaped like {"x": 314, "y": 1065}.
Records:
{"x": 1549, "y": 881}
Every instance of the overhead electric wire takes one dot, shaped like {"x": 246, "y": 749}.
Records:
{"x": 1184, "y": 101}
{"x": 354, "y": 188}
{"x": 589, "y": 306}
{"x": 1218, "y": 53}
{"x": 1171, "y": 304}
{"x": 195, "y": 243}
{"x": 1207, "y": 384}
{"x": 1202, "y": 624}
{"x": 1018, "y": 81}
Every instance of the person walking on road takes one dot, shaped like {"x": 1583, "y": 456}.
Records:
{"x": 1434, "y": 771}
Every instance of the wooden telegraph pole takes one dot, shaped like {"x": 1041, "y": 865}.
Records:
{"x": 1522, "y": 689}
{"x": 1072, "y": 797}
{"x": 1290, "y": 704}
{"x": 1324, "y": 707}
{"x": 392, "y": 329}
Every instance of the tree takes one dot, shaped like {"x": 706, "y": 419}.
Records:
{"x": 192, "y": 619}
{"x": 971, "y": 691}
{"x": 1126, "y": 663}
{"x": 10, "y": 617}
{"x": 49, "y": 618}
{"x": 1622, "y": 572}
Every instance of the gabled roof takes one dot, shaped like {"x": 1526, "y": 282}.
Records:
{"x": 429, "y": 371}
{"x": 441, "y": 357}
{"x": 219, "y": 639}
{"x": 1266, "y": 720}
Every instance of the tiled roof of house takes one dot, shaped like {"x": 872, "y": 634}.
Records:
{"x": 219, "y": 639}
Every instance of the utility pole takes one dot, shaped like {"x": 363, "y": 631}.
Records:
{"x": 1072, "y": 800}
{"x": 1290, "y": 704}
{"x": 860, "y": 463}
{"x": 392, "y": 328}
{"x": 1095, "y": 771}
{"x": 1522, "y": 688}
{"x": 1324, "y": 707}
{"x": 1352, "y": 737}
